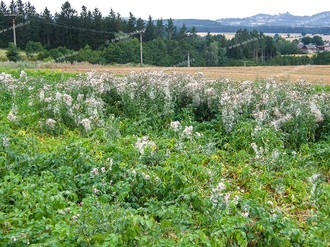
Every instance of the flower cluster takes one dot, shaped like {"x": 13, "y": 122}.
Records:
{"x": 87, "y": 100}
{"x": 175, "y": 126}
{"x": 50, "y": 123}
{"x": 143, "y": 143}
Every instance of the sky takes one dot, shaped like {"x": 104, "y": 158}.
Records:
{"x": 194, "y": 9}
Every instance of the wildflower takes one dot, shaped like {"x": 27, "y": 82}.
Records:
{"x": 13, "y": 238}
{"x": 277, "y": 123}
{"x": 277, "y": 113}
{"x": 245, "y": 213}
{"x": 198, "y": 134}
{"x": 175, "y": 125}
{"x": 227, "y": 197}
{"x": 42, "y": 95}
{"x": 5, "y": 141}
{"x": 143, "y": 143}
{"x": 200, "y": 74}
{"x": 58, "y": 96}
{"x": 11, "y": 116}
{"x": 48, "y": 99}
{"x": 95, "y": 171}
{"x": 276, "y": 153}
{"x": 22, "y": 74}
{"x": 80, "y": 97}
{"x": 256, "y": 150}
{"x": 152, "y": 95}
{"x": 313, "y": 178}
{"x": 103, "y": 170}
{"x": 221, "y": 186}
{"x": 95, "y": 191}
{"x": 67, "y": 99}
{"x": 75, "y": 217}
{"x": 147, "y": 177}
{"x": 317, "y": 113}
{"x": 210, "y": 92}
{"x": 188, "y": 131}
{"x": 236, "y": 199}
{"x": 256, "y": 130}
{"x": 50, "y": 123}
{"x": 86, "y": 124}
{"x": 196, "y": 100}
{"x": 110, "y": 163}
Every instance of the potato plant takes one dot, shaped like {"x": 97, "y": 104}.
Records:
{"x": 159, "y": 159}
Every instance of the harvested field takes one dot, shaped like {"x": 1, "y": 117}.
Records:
{"x": 316, "y": 74}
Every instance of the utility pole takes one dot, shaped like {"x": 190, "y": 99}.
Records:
{"x": 188, "y": 58}
{"x": 141, "y": 41}
{"x": 141, "y": 48}
{"x": 14, "y": 15}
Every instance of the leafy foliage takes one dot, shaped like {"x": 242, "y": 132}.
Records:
{"x": 157, "y": 159}
{"x": 13, "y": 53}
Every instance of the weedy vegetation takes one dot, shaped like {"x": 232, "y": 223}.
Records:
{"x": 152, "y": 159}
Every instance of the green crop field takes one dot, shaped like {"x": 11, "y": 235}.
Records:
{"x": 162, "y": 159}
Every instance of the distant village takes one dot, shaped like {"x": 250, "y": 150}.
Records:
{"x": 311, "y": 48}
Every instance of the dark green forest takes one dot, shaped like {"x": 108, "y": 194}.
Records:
{"x": 89, "y": 36}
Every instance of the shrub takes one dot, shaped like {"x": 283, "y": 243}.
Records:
{"x": 33, "y": 47}
{"x": 13, "y": 53}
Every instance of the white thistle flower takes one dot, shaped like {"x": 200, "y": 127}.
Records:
{"x": 58, "y": 96}
{"x": 42, "y": 95}
{"x": 11, "y": 116}
{"x": 75, "y": 217}
{"x": 175, "y": 125}
{"x": 221, "y": 186}
{"x": 144, "y": 142}
{"x": 188, "y": 131}
{"x": 22, "y": 74}
{"x": 67, "y": 99}
{"x": 80, "y": 97}
{"x": 95, "y": 171}
{"x": 227, "y": 197}
{"x": 245, "y": 213}
{"x": 86, "y": 123}
{"x": 5, "y": 141}
{"x": 50, "y": 123}
{"x": 317, "y": 113}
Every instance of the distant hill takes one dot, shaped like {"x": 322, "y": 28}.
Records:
{"x": 285, "y": 20}
{"x": 282, "y": 23}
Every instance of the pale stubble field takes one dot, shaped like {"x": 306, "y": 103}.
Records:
{"x": 316, "y": 74}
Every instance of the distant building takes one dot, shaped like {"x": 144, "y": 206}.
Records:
{"x": 308, "y": 48}
{"x": 327, "y": 47}
{"x": 300, "y": 46}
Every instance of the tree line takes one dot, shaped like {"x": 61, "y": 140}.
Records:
{"x": 90, "y": 36}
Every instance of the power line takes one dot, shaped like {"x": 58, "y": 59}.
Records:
{"x": 74, "y": 28}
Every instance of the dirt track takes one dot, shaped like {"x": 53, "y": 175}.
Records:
{"x": 315, "y": 74}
